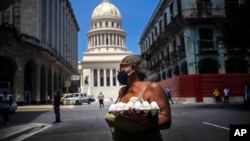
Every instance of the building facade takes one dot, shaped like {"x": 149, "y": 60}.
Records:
{"x": 182, "y": 40}
{"x": 39, "y": 48}
{"x": 106, "y": 48}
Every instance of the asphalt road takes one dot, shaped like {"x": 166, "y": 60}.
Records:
{"x": 190, "y": 122}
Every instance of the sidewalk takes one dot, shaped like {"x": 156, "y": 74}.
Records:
{"x": 42, "y": 107}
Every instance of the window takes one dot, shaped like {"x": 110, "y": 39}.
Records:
{"x": 204, "y": 8}
{"x": 206, "y": 38}
{"x": 107, "y": 40}
{"x": 108, "y": 77}
{"x": 16, "y": 13}
{"x": 171, "y": 11}
{"x": 165, "y": 20}
{"x": 160, "y": 26}
{"x": 114, "y": 77}
{"x": 95, "y": 78}
{"x": 6, "y": 17}
{"x": 156, "y": 32}
{"x": 101, "y": 78}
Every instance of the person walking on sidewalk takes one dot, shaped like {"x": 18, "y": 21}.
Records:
{"x": 101, "y": 98}
{"x": 57, "y": 106}
{"x": 169, "y": 95}
{"x": 226, "y": 95}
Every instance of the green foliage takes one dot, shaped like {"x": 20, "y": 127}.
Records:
{"x": 235, "y": 27}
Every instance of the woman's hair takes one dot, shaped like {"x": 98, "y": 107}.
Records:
{"x": 141, "y": 66}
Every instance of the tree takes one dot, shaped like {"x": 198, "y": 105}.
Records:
{"x": 234, "y": 28}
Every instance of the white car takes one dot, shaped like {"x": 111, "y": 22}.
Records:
{"x": 13, "y": 106}
{"x": 76, "y": 99}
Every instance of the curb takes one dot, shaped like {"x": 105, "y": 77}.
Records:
{"x": 43, "y": 107}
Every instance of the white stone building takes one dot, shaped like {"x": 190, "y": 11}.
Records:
{"x": 106, "y": 48}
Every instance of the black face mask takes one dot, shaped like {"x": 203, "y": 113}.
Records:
{"x": 122, "y": 77}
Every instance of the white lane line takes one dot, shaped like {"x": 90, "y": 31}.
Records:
{"x": 216, "y": 125}
{"x": 26, "y": 135}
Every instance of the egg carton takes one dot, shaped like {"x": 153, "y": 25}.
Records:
{"x": 146, "y": 107}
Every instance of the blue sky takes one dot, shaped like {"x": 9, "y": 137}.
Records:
{"x": 135, "y": 16}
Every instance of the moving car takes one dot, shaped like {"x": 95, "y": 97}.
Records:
{"x": 13, "y": 106}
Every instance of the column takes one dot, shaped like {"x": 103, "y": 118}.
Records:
{"x": 98, "y": 77}
{"x": 101, "y": 36}
{"x": 111, "y": 77}
{"x": 105, "y": 39}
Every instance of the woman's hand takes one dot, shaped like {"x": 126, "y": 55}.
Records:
{"x": 132, "y": 114}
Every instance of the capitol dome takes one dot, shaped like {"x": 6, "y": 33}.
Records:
{"x": 106, "y": 9}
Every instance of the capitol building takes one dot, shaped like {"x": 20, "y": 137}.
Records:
{"x": 106, "y": 48}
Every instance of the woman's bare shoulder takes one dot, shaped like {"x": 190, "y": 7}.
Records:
{"x": 155, "y": 85}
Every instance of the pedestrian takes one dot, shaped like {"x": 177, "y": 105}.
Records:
{"x": 216, "y": 95}
{"x": 169, "y": 95}
{"x": 101, "y": 99}
{"x": 27, "y": 96}
{"x": 5, "y": 102}
{"x": 130, "y": 124}
{"x": 246, "y": 96}
{"x": 48, "y": 99}
{"x": 57, "y": 106}
{"x": 226, "y": 95}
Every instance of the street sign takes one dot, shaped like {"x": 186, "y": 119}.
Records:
{"x": 75, "y": 77}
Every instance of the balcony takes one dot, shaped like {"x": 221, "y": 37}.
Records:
{"x": 206, "y": 46}
{"x": 235, "y": 50}
{"x": 204, "y": 10}
{"x": 163, "y": 37}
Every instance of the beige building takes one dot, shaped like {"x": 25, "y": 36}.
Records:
{"x": 39, "y": 47}
{"x": 106, "y": 48}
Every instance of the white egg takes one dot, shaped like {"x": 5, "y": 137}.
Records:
{"x": 137, "y": 104}
{"x": 130, "y": 104}
{"x": 112, "y": 107}
{"x": 154, "y": 105}
{"x": 145, "y": 103}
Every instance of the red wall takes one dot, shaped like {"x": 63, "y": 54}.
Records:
{"x": 203, "y": 85}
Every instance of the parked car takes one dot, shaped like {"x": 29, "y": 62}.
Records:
{"x": 76, "y": 99}
{"x": 63, "y": 97}
{"x": 92, "y": 98}
{"x": 13, "y": 106}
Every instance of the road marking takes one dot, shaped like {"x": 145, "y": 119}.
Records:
{"x": 39, "y": 128}
{"x": 216, "y": 125}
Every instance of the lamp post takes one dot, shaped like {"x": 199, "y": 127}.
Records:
{"x": 195, "y": 58}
